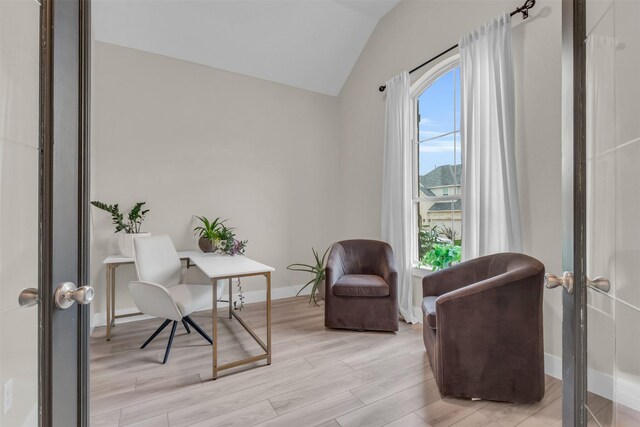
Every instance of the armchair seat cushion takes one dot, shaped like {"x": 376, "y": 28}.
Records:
{"x": 361, "y": 285}
{"x": 429, "y": 310}
{"x": 190, "y": 298}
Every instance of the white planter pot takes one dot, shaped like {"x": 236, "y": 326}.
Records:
{"x": 125, "y": 242}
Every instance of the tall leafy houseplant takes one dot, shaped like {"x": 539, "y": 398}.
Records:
{"x": 130, "y": 225}
{"x": 135, "y": 217}
{"x": 317, "y": 270}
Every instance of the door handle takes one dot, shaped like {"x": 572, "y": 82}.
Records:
{"x": 68, "y": 293}
{"x": 566, "y": 281}
{"x": 600, "y": 283}
{"x": 28, "y": 297}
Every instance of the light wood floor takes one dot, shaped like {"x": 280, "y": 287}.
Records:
{"x": 318, "y": 377}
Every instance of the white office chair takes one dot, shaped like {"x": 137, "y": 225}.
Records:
{"x": 159, "y": 292}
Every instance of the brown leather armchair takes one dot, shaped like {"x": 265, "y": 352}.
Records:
{"x": 483, "y": 328}
{"x": 361, "y": 286}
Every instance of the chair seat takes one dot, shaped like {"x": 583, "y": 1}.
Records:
{"x": 190, "y": 298}
{"x": 361, "y": 285}
{"x": 429, "y": 309}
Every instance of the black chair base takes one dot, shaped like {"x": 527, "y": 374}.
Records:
{"x": 186, "y": 321}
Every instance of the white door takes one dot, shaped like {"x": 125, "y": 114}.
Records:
{"x": 19, "y": 163}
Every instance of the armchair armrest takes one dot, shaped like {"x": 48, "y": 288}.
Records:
{"x": 154, "y": 300}
{"x": 389, "y": 272}
{"x": 444, "y": 281}
{"x": 335, "y": 268}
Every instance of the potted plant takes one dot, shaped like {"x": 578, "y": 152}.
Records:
{"x": 318, "y": 272}
{"x": 207, "y": 233}
{"x": 130, "y": 227}
{"x": 215, "y": 236}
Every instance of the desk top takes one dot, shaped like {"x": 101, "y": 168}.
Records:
{"x": 212, "y": 265}
{"x": 218, "y": 266}
{"x": 121, "y": 259}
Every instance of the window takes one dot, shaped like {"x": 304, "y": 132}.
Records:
{"x": 437, "y": 173}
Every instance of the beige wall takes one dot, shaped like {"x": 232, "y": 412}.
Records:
{"x": 193, "y": 140}
{"x": 416, "y": 30}
{"x": 19, "y": 113}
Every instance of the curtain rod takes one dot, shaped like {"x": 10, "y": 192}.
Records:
{"x": 524, "y": 9}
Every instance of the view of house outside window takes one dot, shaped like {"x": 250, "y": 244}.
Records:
{"x": 437, "y": 201}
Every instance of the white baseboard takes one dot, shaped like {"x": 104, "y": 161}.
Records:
{"x": 598, "y": 382}
{"x": 100, "y": 319}
{"x": 553, "y": 366}
{"x": 625, "y": 392}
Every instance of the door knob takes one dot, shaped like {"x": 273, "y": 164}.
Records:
{"x": 67, "y": 293}
{"x": 600, "y": 283}
{"x": 566, "y": 281}
{"x": 28, "y": 297}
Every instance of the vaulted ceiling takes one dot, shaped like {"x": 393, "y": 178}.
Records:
{"x": 308, "y": 44}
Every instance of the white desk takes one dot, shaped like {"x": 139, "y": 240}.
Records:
{"x": 114, "y": 261}
{"x": 215, "y": 267}
{"x": 219, "y": 267}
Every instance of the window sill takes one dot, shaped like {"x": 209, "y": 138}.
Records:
{"x": 420, "y": 271}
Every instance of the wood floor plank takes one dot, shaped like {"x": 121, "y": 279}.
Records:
{"x": 321, "y": 412}
{"x": 394, "y": 382}
{"x": 318, "y": 377}
{"x": 158, "y": 421}
{"x": 246, "y": 416}
{"x": 477, "y": 419}
{"x": 447, "y": 411}
{"x": 227, "y": 402}
{"x": 393, "y": 407}
{"x": 108, "y": 419}
{"x": 409, "y": 420}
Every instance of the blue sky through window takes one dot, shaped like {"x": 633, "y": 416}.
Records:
{"x": 439, "y": 126}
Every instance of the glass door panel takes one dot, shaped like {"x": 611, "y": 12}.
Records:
{"x": 613, "y": 209}
{"x": 626, "y": 406}
{"x": 19, "y": 171}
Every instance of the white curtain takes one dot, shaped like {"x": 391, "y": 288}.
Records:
{"x": 396, "y": 186}
{"x": 491, "y": 213}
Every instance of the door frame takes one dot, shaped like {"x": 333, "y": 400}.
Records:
{"x": 74, "y": 17}
{"x": 574, "y": 193}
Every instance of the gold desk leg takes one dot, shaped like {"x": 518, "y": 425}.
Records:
{"x": 214, "y": 315}
{"x": 113, "y": 297}
{"x": 268, "y": 275}
{"x": 108, "y": 290}
{"x": 230, "y": 295}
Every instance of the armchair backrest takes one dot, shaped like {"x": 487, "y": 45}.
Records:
{"x": 157, "y": 260}
{"x": 501, "y": 263}
{"x": 364, "y": 256}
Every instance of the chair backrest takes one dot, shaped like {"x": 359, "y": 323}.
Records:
{"x": 360, "y": 256}
{"x": 157, "y": 260}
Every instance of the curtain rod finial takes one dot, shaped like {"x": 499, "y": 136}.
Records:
{"x": 382, "y": 88}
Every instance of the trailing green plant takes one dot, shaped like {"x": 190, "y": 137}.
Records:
{"x": 134, "y": 220}
{"x": 222, "y": 237}
{"x": 427, "y": 237}
{"x": 442, "y": 256}
{"x": 317, "y": 270}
